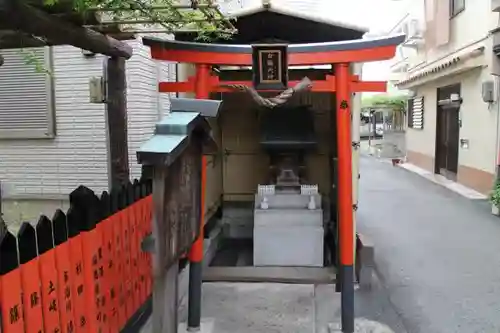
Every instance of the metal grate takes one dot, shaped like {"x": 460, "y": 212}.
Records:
{"x": 416, "y": 113}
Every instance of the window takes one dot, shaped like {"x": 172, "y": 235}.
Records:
{"x": 456, "y": 6}
{"x": 26, "y": 94}
{"x": 416, "y": 113}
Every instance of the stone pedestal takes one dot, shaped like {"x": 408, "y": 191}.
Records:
{"x": 288, "y": 232}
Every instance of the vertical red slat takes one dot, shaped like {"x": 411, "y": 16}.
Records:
{"x": 134, "y": 253}
{"x": 32, "y": 294}
{"x": 51, "y": 288}
{"x": 11, "y": 303}
{"x": 66, "y": 289}
{"x": 78, "y": 284}
{"x": 32, "y": 297}
{"x": 49, "y": 277}
{"x": 105, "y": 285}
{"x": 148, "y": 228}
{"x": 128, "y": 299}
{"x": 93, "y": 275}
{"x": 143, "y": 254}
{"x": 112, "y": 277}
{"x": 141, "y": 262}
{"x": 119, "y": 270}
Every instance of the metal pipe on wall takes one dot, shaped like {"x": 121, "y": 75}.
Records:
{"x": 497, "y": 109}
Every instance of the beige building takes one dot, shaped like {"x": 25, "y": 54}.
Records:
{"x": 449, "y": 69}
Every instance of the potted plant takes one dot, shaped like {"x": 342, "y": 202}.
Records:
{"x": 495, "y": 199}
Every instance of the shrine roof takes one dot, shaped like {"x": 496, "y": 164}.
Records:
{"x": 269, "y": 22}
{"x": 308, "y": 16}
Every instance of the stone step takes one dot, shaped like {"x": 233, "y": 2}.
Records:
{"x": 288, "y": 246}
{"x": 291, "y": 275}
{"x": 289, "y": 200}
{"x": 288, "y": 217}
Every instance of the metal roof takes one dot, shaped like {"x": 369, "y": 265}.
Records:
{"x": 309, "y": 16}
{"x": 282, "y": 23}
{"x": 172, "y": 133}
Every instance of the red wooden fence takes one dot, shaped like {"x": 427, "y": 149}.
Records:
{"x": 82, "y": 271}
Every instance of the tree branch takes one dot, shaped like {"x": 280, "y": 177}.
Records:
{"x": 23, "y": 17}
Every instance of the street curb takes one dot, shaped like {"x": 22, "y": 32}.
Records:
{"x": 361, "y": 325}
{"x": 454, "y": 187}
{"x": 365, "y": 261}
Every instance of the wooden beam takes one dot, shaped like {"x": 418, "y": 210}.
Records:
{"x": 290, "y": 275}
{"x": 328, "y": 85}
{"x": 116, "y": 108}
{"x": 18, "y": 15}
{"x": 14, "y": 40}
{"x": 369, "y": 86}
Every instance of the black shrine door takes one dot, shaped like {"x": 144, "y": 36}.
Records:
{"x": 447, "y": 133}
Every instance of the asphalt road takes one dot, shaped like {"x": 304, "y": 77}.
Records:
{"x": 437, "y": 253}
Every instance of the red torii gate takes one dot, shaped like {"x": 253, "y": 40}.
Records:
{"x": 338, "y": 54}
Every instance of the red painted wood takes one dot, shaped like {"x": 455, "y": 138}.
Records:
{"x": 344, "y": 140}
{"x": 328, "y": 85}
{"x": 245, "y": 59}
{"x": 202, "y": 90}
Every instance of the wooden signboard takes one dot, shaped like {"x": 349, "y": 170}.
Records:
{"x": 270, "y": 66}
{"x": 181, "y": 215}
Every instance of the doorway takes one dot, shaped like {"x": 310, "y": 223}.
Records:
{"x": 448, "y": 131}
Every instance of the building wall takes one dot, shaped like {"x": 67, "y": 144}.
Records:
{"x": 37, "y": 175}
{"x": 445, "y": 38}
{"x": 479, "y": 123}
{"x": 51, "y": 167}
{"x": 145, "y": 105}
{"x": 468, "y": 27}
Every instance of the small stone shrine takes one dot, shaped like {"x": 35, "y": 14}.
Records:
{"x": 288, "y": 218}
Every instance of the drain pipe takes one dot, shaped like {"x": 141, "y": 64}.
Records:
{"x": 497, "y": 109}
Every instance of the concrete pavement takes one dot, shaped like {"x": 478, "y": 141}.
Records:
{"x": 286, "y": 308}
{"x": 437, "y": 253}
{"x": 438, "y": 264}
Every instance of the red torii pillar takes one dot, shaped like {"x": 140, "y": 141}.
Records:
{"x": 340, "y": 55}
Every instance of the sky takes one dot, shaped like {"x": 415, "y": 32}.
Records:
{"x": 377, "y": 15}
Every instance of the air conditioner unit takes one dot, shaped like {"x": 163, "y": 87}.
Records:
{"x": 413, "y": 28}
{"x": 404, "y": 29}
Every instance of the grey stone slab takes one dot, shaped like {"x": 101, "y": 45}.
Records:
{"x": 280, "y": 200}
{"x": 373, "y": 306}
{"x": 362, "y": 325}
{"x": 288, "y": 217}
{"x": 259, "y": 308}
{"x": 286, "y": 308}
{"x": 288, "y": 237}
{"x": 288, "y": 246}
{"x": 298, "y": 275}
